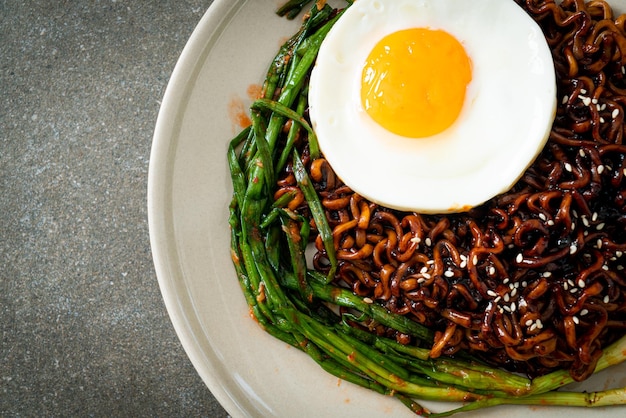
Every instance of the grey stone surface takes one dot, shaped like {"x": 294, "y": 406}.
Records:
{"x": 84, "y": 327}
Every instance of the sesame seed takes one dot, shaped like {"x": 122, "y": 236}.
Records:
{"x": 533, "y": 327}
{"x": 491, "y": 293}
{"x": 491, "y": 270}
{"x": 513, "y": 292}
{"x": 581, "y": 152}
{"x": 516, "y": 285}
{"x": 550, "y": 222}
{"x": 513, "y": 307}
{"x": 599, "y": 243}
{"x": 519, "y": 258}
{"x": 583, "y": 91}
{"x": 463, "y": 264}
{"x": 500, "y": 309}
{"x": 565, "y": 285}
{"x": 598, "y": 107}
{"x": 506, "y": 280}
{"x": 424, "y": 269}
{"x": 600, "y": 226}
{"x": 511, "y": 286}
{"x": 506, "y": 308}
{"x": 449, "y": 273}
{"x": 428, "y": 242}
{"x": 606, "y": 299}
{"x": 623, "y": 70}
{"x": 547, "y": 273}
{"x": 615, "y": 113}
{"x": 572, "y": 248}
{"x": 570, "y": 282}
{"x": 576, "y": 320}
{"x": 605, "y": 267}
{"x": 565, "y": 99}
{"x": 602, "y": 119}
{"x": 581, "y": 283}
{"x": 368, "y": 300}
{"x": 539, "y": 324}
{"x": 542, "y": 217}
{"x": 585, "y": 221}
{"x": 524, "y": 283}
{"x": 594, "y": 101}
{"x": 529, "y": 322}
{"x": 427, "y": 276}
{"x": 575, "y": 213}
{"x": 421, "y": 280}
{"x": 594, "y": 216}
{"x": 498, "y": 299}
{"x": 573, "y": 290}
{"x": 568, "y": 167}
{"x": 507, "y": 297}
{"x": 602, "y": 107}
{"x": 584, "y": 312}
{"x": 600, "y": 169}
{"x": 430, "y": 262}
{"x": 573, "y": 226}
{"x": 586, "y": 100}
{"x": 475, "y": 260}
{"x": 416, "y": 240}
{"x": 620, "y": 267}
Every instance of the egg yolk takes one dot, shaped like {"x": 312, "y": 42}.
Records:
{"x": 414, "y": 82}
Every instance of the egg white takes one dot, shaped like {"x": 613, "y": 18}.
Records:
{"x": 506, "y": 118}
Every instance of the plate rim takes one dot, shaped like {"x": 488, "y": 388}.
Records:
{"x": 159, "y": 188}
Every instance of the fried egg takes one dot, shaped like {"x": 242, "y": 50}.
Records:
{"x": 433, "y": 106}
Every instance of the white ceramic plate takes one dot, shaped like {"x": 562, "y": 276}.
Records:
{"x": 247, "y": 370}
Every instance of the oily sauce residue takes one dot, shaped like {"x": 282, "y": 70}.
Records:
{"x": 237, "y": 113}
{"x": 254, "y": 91}
{"x": 237, "y": 109}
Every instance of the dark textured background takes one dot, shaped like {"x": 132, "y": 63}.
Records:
{"x": 84, "y": 328}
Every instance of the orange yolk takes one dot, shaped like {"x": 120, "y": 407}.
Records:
{"x": 414, "y": 82}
